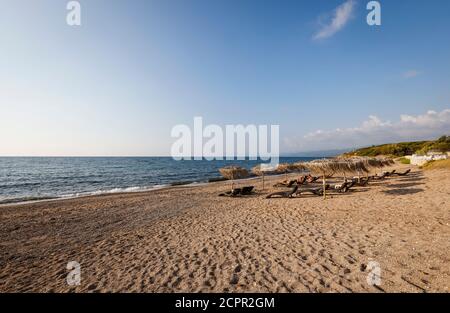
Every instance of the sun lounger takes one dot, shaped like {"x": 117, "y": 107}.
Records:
{"x": 391, "y": 173}
{"x": 305, "y": 179}
{"x": 284, "y": 194}
{"x": 387, "y": 173}
{"x": 245, "y": 191}
{"x": 404, "y": 173}
{"x": 344, "y": 187}
{"x": 362, "y": 181}
{"x": 286, "y": 183}
{"x": 315, "y": 191}
{"x": 233, "y": 193}
{"x": 382, "y": 176}
{"x": 310, "y": 179}
{"x": 300, "y": 181}
{"x": 248, "y": 190}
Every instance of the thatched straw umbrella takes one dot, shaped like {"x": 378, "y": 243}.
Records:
{"x": 300, "y": 166}
{"x": 373, "y": 163}
{"x": 261, "y": 170}
{"x": 343, "y": 165}
{"x": 387, "y": 161}
{"x": 326, "y": 166}
{"x": 233, "y": 172}
{"x": 323, "y": 167}
{"x": 376, "y": 163}
{"x": 344, "y": 168}
{"x": 286, "y": 168}
{"x": 359, "y": 166}
{"x": 355, "y": 165}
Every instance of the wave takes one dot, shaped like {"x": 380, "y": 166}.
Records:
{"x": 25, "y": 199}
{"x": 114, "y": 190}
{"x": 35, "y": 179}
{"x": 82, "y": 194}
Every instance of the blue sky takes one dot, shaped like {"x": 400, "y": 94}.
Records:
{"x": 117, "y": 84}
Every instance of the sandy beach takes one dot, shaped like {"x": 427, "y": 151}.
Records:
{"x": 187, "y": 239}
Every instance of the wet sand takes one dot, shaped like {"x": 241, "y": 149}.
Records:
{"x": 187, "y": 239}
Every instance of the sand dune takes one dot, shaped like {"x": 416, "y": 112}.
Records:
{"x": 187, "y": 239}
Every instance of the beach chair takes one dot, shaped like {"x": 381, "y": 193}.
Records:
{"x": 299, "y": 181}
{"x": 302, "y": 179}
{"x": 387, "y": 173}
{"x": 233, "y": 193}
{"x": 391, "y": 173}
{"x": 248, "y": 190}
{"x": 344, "y": 187}
{"x": 284, "y": 194}
{"x": 315, "y": 191}
{"x": 404, "y": 173}
{"x": 286, "y": 183}
{"x": 378, "y": 177}
{"x": 311, "y": 179}
{"x": 362, "y": 181}
{"x": 244, "y": 191}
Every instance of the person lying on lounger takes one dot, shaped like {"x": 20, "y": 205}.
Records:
{"x": 311, "y": 179}
{"x": 304, "y": 179}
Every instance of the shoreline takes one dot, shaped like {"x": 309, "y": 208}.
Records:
{"x": 74, "y": 177}
{"x": 144, "y": 190}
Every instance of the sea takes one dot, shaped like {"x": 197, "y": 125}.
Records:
{"x": 39, "y": 178}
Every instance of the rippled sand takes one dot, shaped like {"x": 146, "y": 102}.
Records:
{"x": 189, "y": 239}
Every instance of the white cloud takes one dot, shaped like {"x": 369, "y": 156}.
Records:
{"x": 410, "y": 74}
{"x": 374, "y": 131}
{"x": 341, "y": 15}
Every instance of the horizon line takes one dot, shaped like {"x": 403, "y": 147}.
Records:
{"x": 224, "y": 158}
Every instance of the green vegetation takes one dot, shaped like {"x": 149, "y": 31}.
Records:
{"x": 436, "y": 164}
{"x": 404, "y": 160}
{"x": 442, "y": 145}
{"x": 404, "y": 148}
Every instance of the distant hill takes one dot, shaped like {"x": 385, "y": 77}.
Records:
{"x": 404, "y": 148}
{"x": 318, "y": 154}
